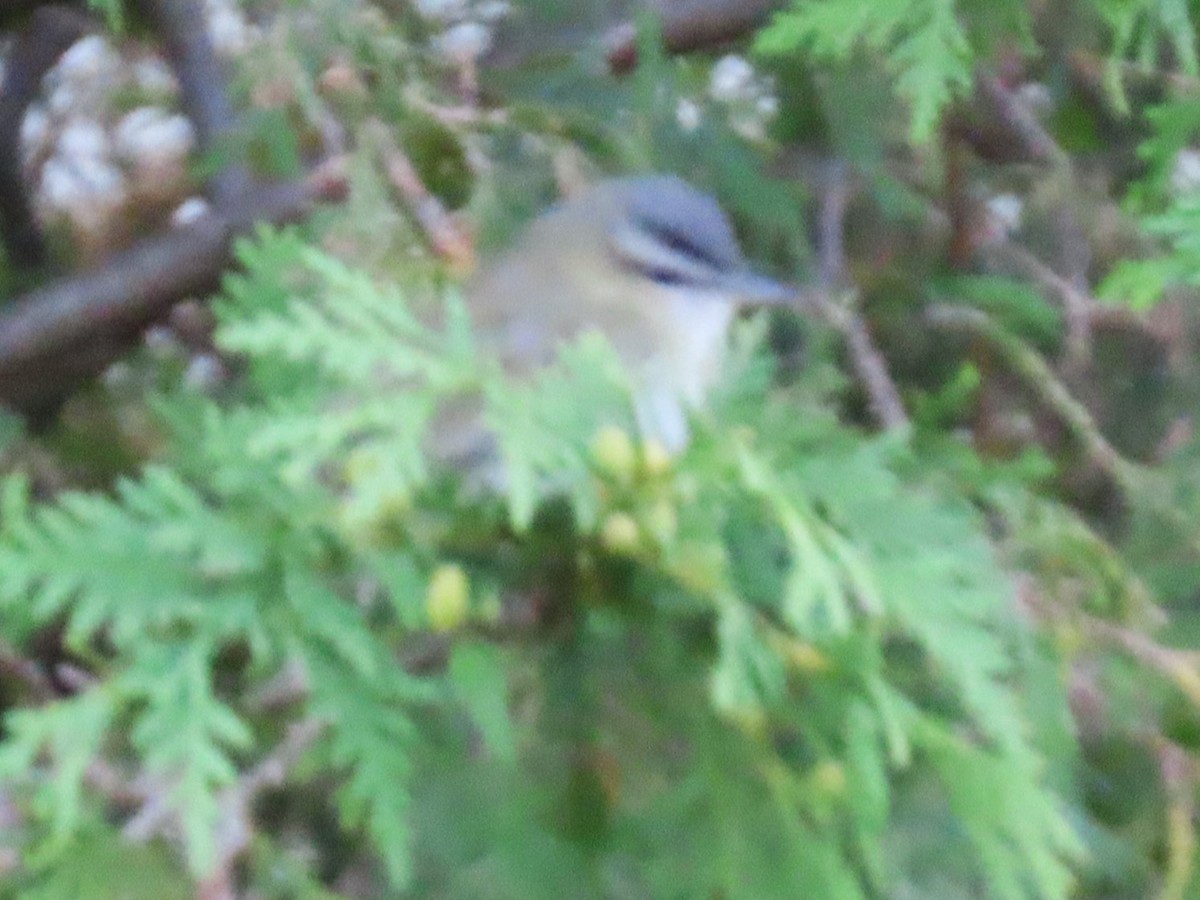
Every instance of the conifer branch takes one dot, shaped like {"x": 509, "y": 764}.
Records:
{"x": 447, "y": 239}
{"x": 868, "y": 362}
{"x": 237, "y": 827}
{"x": 690, "y": 26}
{"x": 1037, "y": 377}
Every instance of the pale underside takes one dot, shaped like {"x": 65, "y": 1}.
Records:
{"x": 548, "y": 291}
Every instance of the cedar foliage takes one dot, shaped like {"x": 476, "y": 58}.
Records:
{"x": 802, "y": 659}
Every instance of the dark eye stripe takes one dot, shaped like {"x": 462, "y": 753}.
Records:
{"x": 663, "y": 276}
{"x": 681, "y": 244}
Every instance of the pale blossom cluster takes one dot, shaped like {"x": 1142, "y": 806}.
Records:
{"x": 1004, "y": 215}
{"x": 746, "y": 99}
{"x": 231, "y": 34}
{"x": 104, "y": 146}
{"x": 88, "y": 159}
{"x": 1185, "y": 173}
{"x": 467, "y": 27}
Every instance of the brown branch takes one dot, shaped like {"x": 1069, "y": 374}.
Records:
{"x": 1040, "y": 380}
{"x": 960, "y": 211}
{"x": 203, "y": 88}
{"x": 447, "y": 239}
{"x": 1004, "y": 108}
{"x": 1090, "y": 71}
{"x": 1009, "y": 119}
{"x": 57, "y": 337}
{"x": 690, "y": 25}
{"x": 873, "y": 372}
{"x": 181, "y": 26}
{"x": 51, "y": 30}
{"x": 1076, "y": 302}
{"x": 38, "y": 685}
{"x": 1009, "y": 258}
{"x": 868, "y": 362}
{"x": 1181, "y": 667}
{"x": 237, "y": 826}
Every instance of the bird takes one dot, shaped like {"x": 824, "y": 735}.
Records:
{"x": 649, "y": 262}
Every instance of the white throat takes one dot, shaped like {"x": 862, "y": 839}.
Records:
{"x": 678, "y": 379}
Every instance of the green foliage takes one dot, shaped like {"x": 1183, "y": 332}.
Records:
{"x": 184, "y": 734}
{"x": 113, "y": 12}
{"x": 373, "y": 743}
{"x": 923, "y": 42}
{"x": 796, "y": 609}
{"x": 99, "y": 865}
{"x": 1139, "y": 284}
{"x": 1141, "y": 30}
{"x": 535, "y": 656}
{"x": 1013, "y": 303}
{"x": 1166, "y": 201}
{"x": 72, "y": 733}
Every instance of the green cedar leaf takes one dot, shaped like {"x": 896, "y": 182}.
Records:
{"x": 186, "y": 735}
{"x": 922, "y": 41}
{"x": 480, "y": 684}
{"x": 371, "y": 736}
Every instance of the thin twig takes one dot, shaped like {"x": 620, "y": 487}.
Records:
{"x": 449, "y": 241}
{"x": 1180, "y": 667}
{"x": 1019, "y": 120}
{"x": 1037, "y": 377}
{"x": 1178, "y": 771}
{"x": 831, "y": 244}
{"x": 1078, "y": 305}
{"x": 455, "y": 116}
{"x": 104, "y": 778}
{"x": 1041, "y": 382}
{"x": 237, "y": 826}
{"x": 38, "y": 685}
{"x": 1091, "y": 69}
{"x": 1074, "y": 300}
{"x": 285, "y": 689}
{"x": 155, "y": 817}
{"x": 158, "y": 817}
{"x": 868, "y": 362}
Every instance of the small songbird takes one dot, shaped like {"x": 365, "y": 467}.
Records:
{"x": 652, "y": 264}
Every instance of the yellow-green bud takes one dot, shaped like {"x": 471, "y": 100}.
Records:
{"x": 805, "y": 657}
{"x": 829, "y": 778}
{"x": 360, "y": 464}
{"x": 662, "y": 521}
{"x": 656, "y": 459}
{"x": 620, "y": 533}
{"x": 447, "y": 601}
{"x": 614, "y": 452}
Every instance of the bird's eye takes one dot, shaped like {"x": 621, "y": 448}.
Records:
{"x": 667, "y": 277}
{"x": 683, "y": 243}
